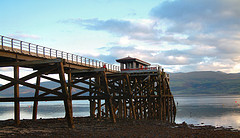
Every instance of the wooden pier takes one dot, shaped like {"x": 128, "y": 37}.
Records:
{"x": 112, "y": 94}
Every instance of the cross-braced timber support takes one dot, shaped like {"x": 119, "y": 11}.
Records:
{"x": 111, "y": 93}
{"x": 144, "y": 95}
{"x": 42, "y": 68}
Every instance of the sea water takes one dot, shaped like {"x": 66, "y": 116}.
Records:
{"x": 209, "y": 110}
{"x": 198, "y": 110}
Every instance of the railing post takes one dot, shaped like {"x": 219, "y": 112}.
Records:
{"x": 2, "y": 41}
{"x": 67, "y": 56}
{"x": 29, "y": 48}
{"x": 89, "y": 62}
{"x": 85, "y": 61}
{"x": 12, "y": 44}
{"x": 77, "y": 58}
{"x": 50, "y": 53}
{"x": 81, "y": 60}
{"x": 56, "y": 53}
{"x": 37, "y": 50}
{"x": 43, "y": 51}
{"x": 62, "y": 54}
{"x": 21, "y": 46}
{"x": 72, "y": 58}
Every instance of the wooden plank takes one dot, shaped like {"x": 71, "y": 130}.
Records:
{"x": 48, "y": 98}
{"x": 33, "y": 62}
{"x": 13, "y": 55}
{"x": 91, "y": 70}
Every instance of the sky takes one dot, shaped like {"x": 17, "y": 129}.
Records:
{"x": 179, "y": 35}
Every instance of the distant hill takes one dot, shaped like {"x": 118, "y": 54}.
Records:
{"x": 205, "y": 82}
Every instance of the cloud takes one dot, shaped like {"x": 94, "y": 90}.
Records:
{"x": 186, "y": 34}
{"x": 24, "y": 36}
{"x": 139, "y": 29}
{"x": 200, "y": 15}
{"x": 212, "y": 30}
{"x": 170, "y": 57}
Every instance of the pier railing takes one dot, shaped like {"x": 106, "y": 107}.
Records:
{"x": 23, "y": 47}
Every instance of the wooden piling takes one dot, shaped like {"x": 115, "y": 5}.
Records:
{"x": 35, "y": 105}
{"x": 67, "y": 98}
{"x": 16, "y": 96}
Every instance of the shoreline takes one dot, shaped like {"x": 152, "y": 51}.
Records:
{"x": 87, "y": 127}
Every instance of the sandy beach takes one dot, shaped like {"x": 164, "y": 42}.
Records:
{"x": 86, "y": 127}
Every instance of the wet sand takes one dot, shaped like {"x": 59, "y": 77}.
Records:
{"x": 86, "y": 127}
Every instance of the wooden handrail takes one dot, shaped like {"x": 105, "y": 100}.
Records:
{"x": 19, "y": 46}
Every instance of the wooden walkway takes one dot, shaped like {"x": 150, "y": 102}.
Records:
{"x": 112, "y": 94}
{"x": 10, "y": 47}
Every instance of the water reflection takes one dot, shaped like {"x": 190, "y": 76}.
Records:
{"x": 209, "y": 110}
{"x": 45, "y": 110}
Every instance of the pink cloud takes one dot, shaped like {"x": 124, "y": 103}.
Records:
{"x": 21, "y": 36}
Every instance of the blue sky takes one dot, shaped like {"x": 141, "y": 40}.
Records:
{"x": 180, "y": 35}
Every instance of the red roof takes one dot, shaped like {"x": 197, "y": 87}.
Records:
{"x": 130, "y": 59}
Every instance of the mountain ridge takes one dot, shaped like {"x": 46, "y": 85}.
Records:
{"x": 205, "y": 82}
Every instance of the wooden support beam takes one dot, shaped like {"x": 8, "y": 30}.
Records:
{"x": 109, "y": 101}
{"x": 67, "y": 98}
{"x": 120, "y": 104}
{"x": 33, "y": 62}
{"x": 141, "y": 103}
{"x": 31, "y": 85}
{"x": 80, "y": 93}
{"x": 124, "y": 100}
{"x": 70, "y": 89}
{"x": 16, "y": 96}
{"x": 91, "y": 100}
{"x": 28, "y": 77}
{"x": 148, "y": 79}
{"x": 160, "y": 96}
{"x": 131, "y": 99}
{"x": 35, "y": 105}
{"x": 49, "y": 78}
{"x": 99, "y": 100}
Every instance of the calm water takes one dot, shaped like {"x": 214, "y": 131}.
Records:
{"x": 197, "y": 110}
{"x": 209, "y": 110}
